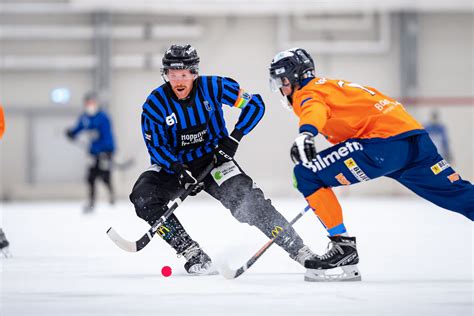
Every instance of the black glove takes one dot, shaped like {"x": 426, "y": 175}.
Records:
{"x": 225, "y": 150}
{"x": 303, "y": 149}
{"x": 69, "y": 134}
{"x": 186, "y": 178}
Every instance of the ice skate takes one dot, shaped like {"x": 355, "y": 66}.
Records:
{"x": 303, "y": 254}
{"x": 198, "y": 262}
{"x": 339, "y": 263}
{"x": 88, "y": 209}
{"x": 4, "y": 245}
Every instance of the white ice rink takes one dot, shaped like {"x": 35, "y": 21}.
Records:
{"x": 416, "y": 259}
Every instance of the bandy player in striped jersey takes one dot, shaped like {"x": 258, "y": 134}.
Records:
{"x": 374, "y": 136}
{"x": 184, "y": 130}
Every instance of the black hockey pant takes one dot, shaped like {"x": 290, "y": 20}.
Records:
{"x": 228, "y": 184}
{"x": 100, "y": 168}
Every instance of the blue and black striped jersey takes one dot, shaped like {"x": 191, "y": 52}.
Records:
{"x": 183, "y": 131}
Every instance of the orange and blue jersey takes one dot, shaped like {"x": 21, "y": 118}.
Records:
{"x": 2, "y": 122}
{"x": 374, "y": 136}
{"x": 341, "y": 110}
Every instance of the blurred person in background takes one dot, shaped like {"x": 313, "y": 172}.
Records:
{"x": 3, "y": 239}
{"x": 373, "y": 136}
{"x": 4, "y": 244}
{"x": 185, "y": 132}
{"x": 439, "y": 136}
{"x": 96, "y": 122}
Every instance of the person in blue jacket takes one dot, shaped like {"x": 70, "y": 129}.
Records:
{"x": 438, "y": 134}
{"x": 101, "y": 148}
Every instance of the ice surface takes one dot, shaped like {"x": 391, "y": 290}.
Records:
{"x": 416, "y": 259}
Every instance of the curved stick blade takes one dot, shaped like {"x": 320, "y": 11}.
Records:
{"x": 120, "y": 242}
{"x": 227, "y": 272}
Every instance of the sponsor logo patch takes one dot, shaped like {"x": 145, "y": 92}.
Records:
{"x": 218, "y": 175}
{"x": 356, "y": 170}
{"x": 346, "y": 260}
{"x": 342, "y": 179}
{"x": 454, "y": 177}
{"x": 207, "y": 106}
{"x": 322, "y": 162}
{"x": 280, "y": 70}
{"x": 193, "y": 138}
{"x": 440, "y": 166}
{"x": 276, "y": 231}
{"x": 224, "y": 172}
{"x": 162, "y": 230}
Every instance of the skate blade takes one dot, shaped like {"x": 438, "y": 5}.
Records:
{"x": 197, "y": 274}
{"x": 212, "y": 270}
{"x": 347, "y": 274}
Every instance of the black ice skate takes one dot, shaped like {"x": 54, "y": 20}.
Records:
{"x": 4, "y": 244}
{"x": 341, "y": 255}
{"x": 198, "y": 262}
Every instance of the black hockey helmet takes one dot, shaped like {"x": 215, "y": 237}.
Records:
{"x": 181, "y": 57}
{"x": 295, "y": 64}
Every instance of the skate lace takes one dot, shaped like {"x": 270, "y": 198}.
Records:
{"x": 304, "y": 254}
{"x": 190, "y": 252}
{"x": 332, "y": 249}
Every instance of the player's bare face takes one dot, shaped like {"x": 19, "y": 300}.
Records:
{"x": 286, "y": 89}
{"x": 181, "y": 81}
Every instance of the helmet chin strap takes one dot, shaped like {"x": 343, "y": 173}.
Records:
{"x": 286, "y": 101}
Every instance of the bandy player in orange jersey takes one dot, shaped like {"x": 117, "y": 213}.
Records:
{"x": 2, "y": 122}
{"x": 374, "y": 136}
{"x": 3, "y": 240}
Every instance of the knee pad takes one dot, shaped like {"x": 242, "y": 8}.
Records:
{"x": 246, "y": 202}
{"x": 148, "y": 204}
{"x": 306, "y": 181}
{"x": 236, "y": 191}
